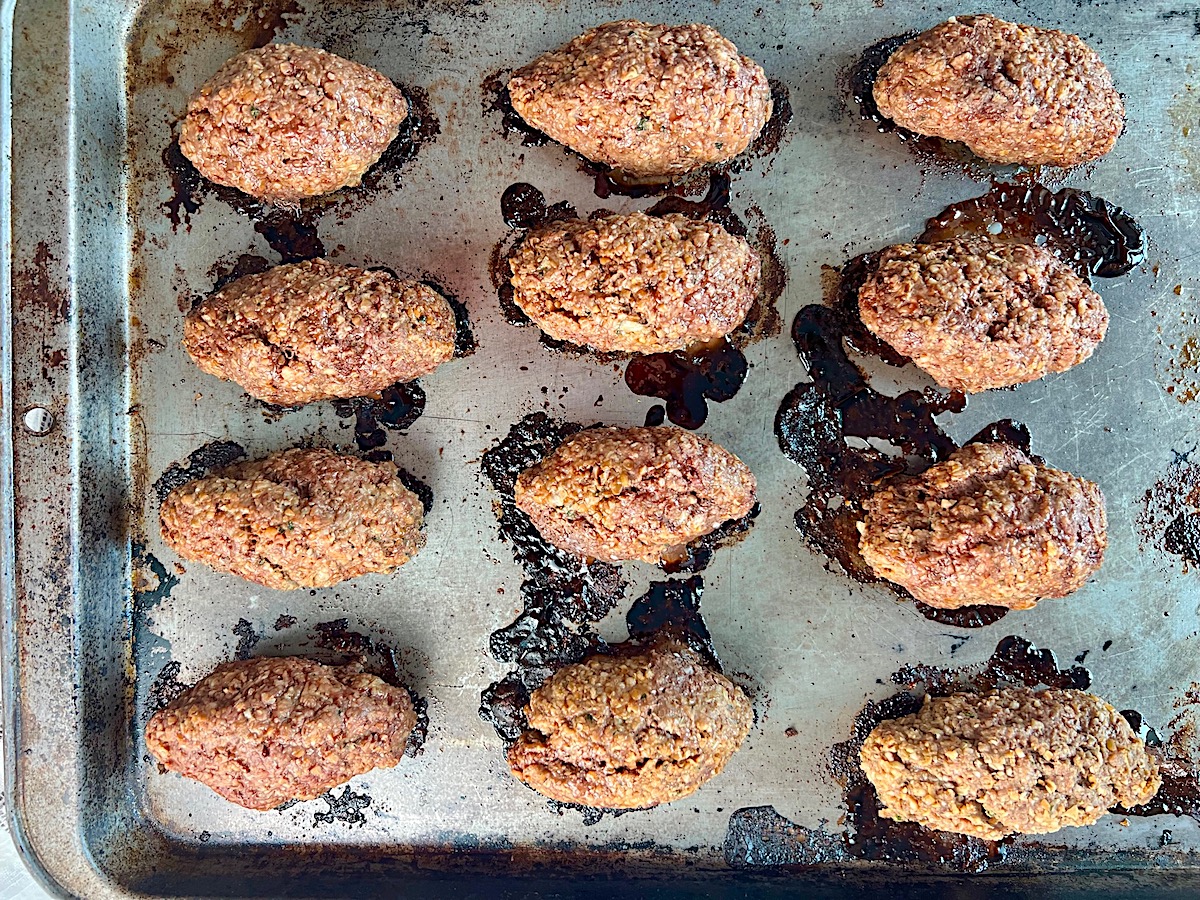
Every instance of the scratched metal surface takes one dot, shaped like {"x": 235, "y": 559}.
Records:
{"x": 96, "y": 272}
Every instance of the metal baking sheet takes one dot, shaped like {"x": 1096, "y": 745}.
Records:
{"x": 97, "y": 616}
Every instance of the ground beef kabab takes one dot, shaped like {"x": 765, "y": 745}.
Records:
{"x": 315, "y": 330}
{"x": 305, "y": 518}
{"x": 631, "y": 730}
{"x": 635, "y": 283}
{"x": 647, "y": 100}
{"x": 1016, "y": 761}
{"x": 978, "y": 314}
{"x": 633, "y": 493}
{"x": 1012, "y": 93}
{"x": 262, "y": 732}
{"x": 986, "y": 527}
{"x": 283, "y": 122}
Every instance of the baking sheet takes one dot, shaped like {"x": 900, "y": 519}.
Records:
{"x": 100, "y": 274}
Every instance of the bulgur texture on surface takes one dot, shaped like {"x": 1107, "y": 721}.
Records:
{"x": 632, "y": 493}
{"x": 631, "y": 730}
{"x": 635, "y": 283}
{"x": 283, "y": 122}
{"x": 315, "y": 330}
{"x": 302, "y": 518}
{"x": 1012, "y": 93}
{"x": 261, "y": 732}
{"x": 986, "y": 527}
{"x": 648, "y": 100}
{"x": 1016, "y": 761}
{"x": 978, "y": 314}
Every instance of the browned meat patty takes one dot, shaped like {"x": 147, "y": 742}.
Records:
{"x": 976, "y": 314}
{"x": 649, "y": 100}
{"x": 635, "y": 283}
{"x": 284, "y": 122}
{"x": 315, "y": 331}
{"x": 987, "y": 526}
{"x": 633, "y": 493}
{"x": 1006, "y": 762}
{"x": 1012, "y": 93}
{"x": 630, "y": 731}
{"x": 261, "y": 732}
{"x": 296, "y": 519}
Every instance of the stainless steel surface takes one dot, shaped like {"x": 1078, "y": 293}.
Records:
{"x": 98, "y": 272}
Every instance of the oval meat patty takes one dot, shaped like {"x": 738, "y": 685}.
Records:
{"x": 1015, "y": 761}
{"x": 977, "y": 314}
{"x": 632, "y": 493}
{"x": 261, "y": 732}
{"x": 648, "y": 100}
{"x": 987, "y": 526}
{"x": 315, "y": 330}
{"x": 296, "y": 519}
{"x": 1011, "y": 93}
{"x": 282, "y": 122}
{"x": 630, "y": 731}
{"x": 635, "y": 283}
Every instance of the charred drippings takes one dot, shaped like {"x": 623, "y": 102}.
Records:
{"x": 1182, "y": 537}
{"x": 696, "y": 556}
{"x": 1170, "y": 516}
{"x": 522, "y": 205}
{"x": 247, "y": 637}
{"x": 464, "y": 336}
{"x": 497, "y": 101}
{"x": 672, "y": 608}
{"x": 212, "y": 456}
{"x": 687, "y": 379}
{"x": 291, "y": 229}
{"x": 862, "y": 79}
{"x": 335, "y": 643}
{"x": 223, "y": 274}
{"x": 760, "y": 836}
{"x": 963, "y": 617}
{"x": 396, "y": 409}
{"x": 346, "y": 807}
{"x": 284, "y": 622}
{"x": 165, "y": 687}
{"x": 1015, "y": 662}
{"x": 423, "y": 491}
{"x": 770, "y": 139}
{"x": 1086, "y": 232}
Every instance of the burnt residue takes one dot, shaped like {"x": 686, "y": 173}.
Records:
{"x": 760, "y": 836}
{"x": 696, "y": 556}
{"x": 395, "y": 409}
{"x": 1016, "y": 661}
{"x": 464, "y": 335}
{"x": 496, "y": 101}
{"x": 335, "y": 643}
{"x": 1169, "y": 519}
{"x": 247, "y": 637}
{"x": 964, "y": 616}
{"x": 291, "y": 229}
{"x": 346, "y": 807}
{"x": 165, "y": 687}
{"x": 212, "y": 456}
{"x": 284, "y": 622}
{"x": 688, "y": 379}
{"x": 672, "y": 607}
{"x": 770, "y": 139}
{"x": 226, "y": 272}
{"x": 1093, "y": 236}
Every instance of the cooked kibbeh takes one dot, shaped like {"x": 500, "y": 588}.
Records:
{"x": 986, "y": 527}
{"x": 283, "y": 122}
{"x": 305, "y": 518}
{"x": 262, "y": 732}
{"x": 1014, "y": 761}
{"x": 977, "y": 314}
{"x": 635, "y": 283}
{"x": 315, "y": 330}
{"x": 631, "y": 730}
{"x": 633, "y": 493}
{"x": 647, "y": 100}
{"x": 1012, "y": 93}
